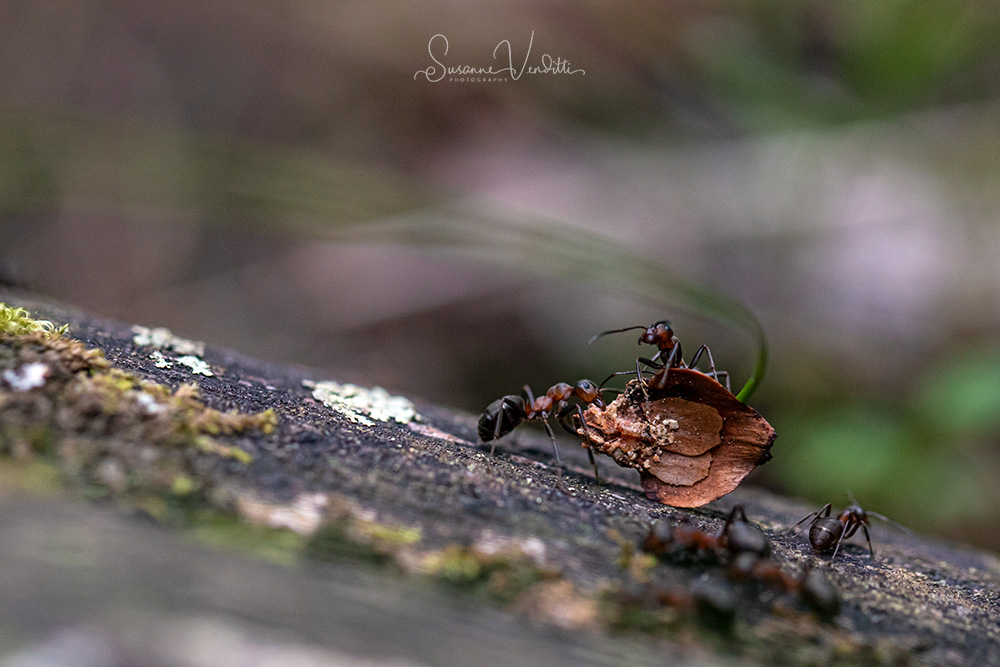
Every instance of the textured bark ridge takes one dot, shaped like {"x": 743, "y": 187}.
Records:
{"x": 431, "y": 550}
{"x": 692, "y": 442}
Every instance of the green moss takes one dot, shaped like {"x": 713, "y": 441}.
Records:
{"x": 642, "y": 620}
{"x": 337, "y": 540}
{"x": 501, "y": 576}
{"x": 210, "y": 445}
{"x": 394, "y": 535}
{"x": 32, "y": 476}
{"x": 277, "y": 546}
{"x": 108, "y": 430}
{"x": 18, "y": 321}
{"x": 183, "y": 485}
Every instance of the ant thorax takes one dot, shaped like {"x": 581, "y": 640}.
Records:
{"x": 692, "y": 441}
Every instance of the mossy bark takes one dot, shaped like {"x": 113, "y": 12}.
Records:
{"x": 410, "y": 540}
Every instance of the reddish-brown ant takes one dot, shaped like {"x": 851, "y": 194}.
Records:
{"x": 744, "y": 550}
{"x": 827, "y": 532}
{"x": 737, "y": 536}
{"x": 505, "y": 414}
{"x": 668, "y": 355}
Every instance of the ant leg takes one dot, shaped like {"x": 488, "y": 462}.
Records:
{"x": 697, "y": 357}
{"x": 869, "y": 540}
{"x": 504, "y": 403}
{"x": 811, "y": 515}
{"x": 552, "y": 437}
{"x": 661, "y": 377}
{"x": 650, "y": 363}
{"x": 574, "y": 410}
{"x": 849, "y": 532}
{"x": 529, "y": 395}
{"x": 793, "y": 531}
{"x": 843, "y": 534}
{"x": 712, "y": 371}
{"x": 737, "y": 509}
{"x": 600, "y": 387}
{"x": 593, "y": 463}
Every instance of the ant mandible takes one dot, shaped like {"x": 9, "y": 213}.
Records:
{"x": 661, "y": 334}
{"x": 826, "y": 532}
{"x": 505, "y": 414}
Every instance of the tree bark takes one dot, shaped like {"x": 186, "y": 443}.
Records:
{"x": 366, "y": 525}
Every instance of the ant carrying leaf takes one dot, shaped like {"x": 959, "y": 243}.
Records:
{"x": 668, "y": 355}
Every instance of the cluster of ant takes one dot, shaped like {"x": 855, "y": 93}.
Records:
{"x": 507, "y": 413}
{"x": 743, "y": 550}
{"x": 826, "y": 532}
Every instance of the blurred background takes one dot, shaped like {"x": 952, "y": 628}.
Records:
{"x": 202, "y": 165}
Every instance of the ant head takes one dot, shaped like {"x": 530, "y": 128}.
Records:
{"x": 587, "y": 391}
{"x": 501, "y": 417}
{"x": 857, "y": 513}
{"x": 657, "y": 333}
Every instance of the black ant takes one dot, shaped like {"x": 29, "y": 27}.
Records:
{"x": 661, "y": 334}
{"x": 745, "y": 552}
{"x": 826, "y": 532}
{"x": 737, "y": 536}
{"x": 505, "y": 414}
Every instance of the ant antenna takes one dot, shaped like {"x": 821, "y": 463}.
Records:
{"x": 612, "y": 331}
{"x": 881, "y": 517}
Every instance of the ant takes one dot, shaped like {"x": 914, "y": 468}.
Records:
{"x": 745, "y": 552}
{"x": 826, "y": 532}
{"x": 737, "y": 536}
{"x": 505, "y": 414}
{"x": 661, "y": 334}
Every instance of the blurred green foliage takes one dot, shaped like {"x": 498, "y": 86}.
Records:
{"x": 929, "y": 454}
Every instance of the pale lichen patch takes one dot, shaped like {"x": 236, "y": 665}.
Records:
{"x": 163, "y": 339}
{"x": 303, "y": 515}
{"x": 434, "y": 432}
{"x": 190, "y": 352}
{"x": 27, "y": 377}
{"x": 362, "y": 405}
{"x": 196, "y": 364}
{"x": 159, "y": 360}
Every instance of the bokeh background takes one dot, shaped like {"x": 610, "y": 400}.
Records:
{"x": 835, "y": 166}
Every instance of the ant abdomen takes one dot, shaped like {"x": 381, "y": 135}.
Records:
{"x": 824, "y": 534}
{"x": 501, "y": 417}
{"x": 744, "y": 537}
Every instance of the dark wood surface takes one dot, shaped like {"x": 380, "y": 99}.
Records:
{"x": 427, "y": 550}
